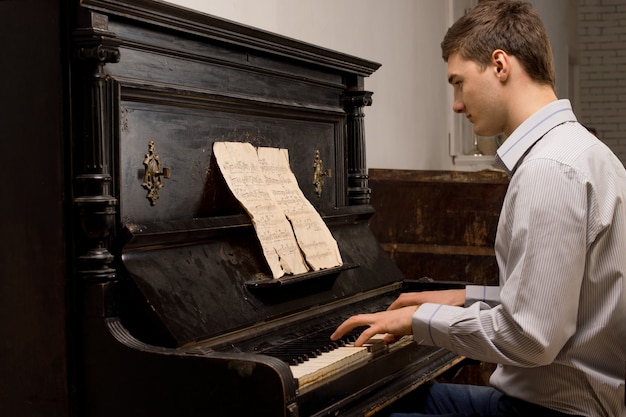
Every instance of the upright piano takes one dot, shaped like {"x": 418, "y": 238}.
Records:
{"x": 174, "y": 311}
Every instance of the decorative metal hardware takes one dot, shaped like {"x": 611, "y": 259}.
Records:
{"x": 152, "y": 178}
{"x": 319, "y": 173}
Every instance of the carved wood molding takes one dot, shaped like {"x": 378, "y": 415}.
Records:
{"x": 94, "y": 113}
{"x": 211, "y": 27}
{"x": 358, "y": 188}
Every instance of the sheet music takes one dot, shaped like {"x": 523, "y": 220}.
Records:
{"x": 240, "y": 167}
{"x": 317, "y": 243}
{"x": 286, "y": 223}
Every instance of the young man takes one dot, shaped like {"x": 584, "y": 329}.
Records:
{"x": 557, "y": 326}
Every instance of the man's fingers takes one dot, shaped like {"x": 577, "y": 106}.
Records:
{"x": 391, "y": 338}
{"x": 455, "y": 297}
{"x": 405, "y": 300}
{"x": 346, "y": 326}
{"x": 397, "y": 322}
{"x": 354, "y": 322}
{"x": 365, "y": 336}
{"x": 398, "y": 303}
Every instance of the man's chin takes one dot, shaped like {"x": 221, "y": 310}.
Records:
{"x": 484, "y": 133}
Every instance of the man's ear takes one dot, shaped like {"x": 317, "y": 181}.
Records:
{"x": 501, "y": 64}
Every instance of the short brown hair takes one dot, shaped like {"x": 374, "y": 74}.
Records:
{"x": 513, "y": 26}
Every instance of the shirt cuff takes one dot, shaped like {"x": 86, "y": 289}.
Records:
{"x": 431, "y": 324}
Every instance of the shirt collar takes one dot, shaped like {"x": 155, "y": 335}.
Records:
{"x": 531, "y": 130}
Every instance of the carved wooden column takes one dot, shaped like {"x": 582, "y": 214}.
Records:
{"x": 94, "y": 112}
{"x": 358, "y": 188}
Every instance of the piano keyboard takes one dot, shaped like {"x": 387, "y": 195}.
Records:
{"x": 336, "y": 360}
{"x": 315, "y": 357}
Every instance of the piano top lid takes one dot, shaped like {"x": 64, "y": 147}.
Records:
{"x": 208, "y": 26}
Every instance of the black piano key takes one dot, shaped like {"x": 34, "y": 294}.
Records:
{"x": 310, "y": 346}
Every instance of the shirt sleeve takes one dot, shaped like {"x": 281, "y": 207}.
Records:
{"x": 542, "y": 248}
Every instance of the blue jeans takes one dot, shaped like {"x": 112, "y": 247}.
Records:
{"x": 457, "y": 400}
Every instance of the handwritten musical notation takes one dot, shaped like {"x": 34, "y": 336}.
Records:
{"x": 292, "y": 234}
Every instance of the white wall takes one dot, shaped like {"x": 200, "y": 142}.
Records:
{"x": 407, "y": 125}
{"x": 560, "y": 18}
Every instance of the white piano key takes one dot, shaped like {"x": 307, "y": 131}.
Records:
{"x": 337, "y": 360}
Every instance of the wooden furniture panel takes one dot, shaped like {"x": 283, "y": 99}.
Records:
{"x": 440, "y": 224}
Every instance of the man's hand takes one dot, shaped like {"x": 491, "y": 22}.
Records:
{"x": 447, "y": 297}
{"x": 395, "y": 322}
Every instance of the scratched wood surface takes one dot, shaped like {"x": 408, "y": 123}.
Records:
{"x": 440, "y": 224}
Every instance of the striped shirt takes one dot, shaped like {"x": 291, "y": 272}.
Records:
{"x": 558, "y": 331}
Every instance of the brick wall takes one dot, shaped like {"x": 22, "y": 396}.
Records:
{"x": 602, "y": 60}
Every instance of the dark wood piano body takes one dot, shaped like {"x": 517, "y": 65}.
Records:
{"x": 172, "y": 306}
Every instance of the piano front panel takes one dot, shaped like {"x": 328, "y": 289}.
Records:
{"x": 185, "y": 93}
{"x": 235, "y": 65}
{"x": 202, "y": 291}
{"x": 184, "y": 133}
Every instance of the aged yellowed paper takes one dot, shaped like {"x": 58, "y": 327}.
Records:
{"x": 287, "y": 224}
{"x": 240, "y": 167}
{"x": 317, "y": 243}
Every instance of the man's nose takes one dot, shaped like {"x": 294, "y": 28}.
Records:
{"x": 458, "y": 106}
